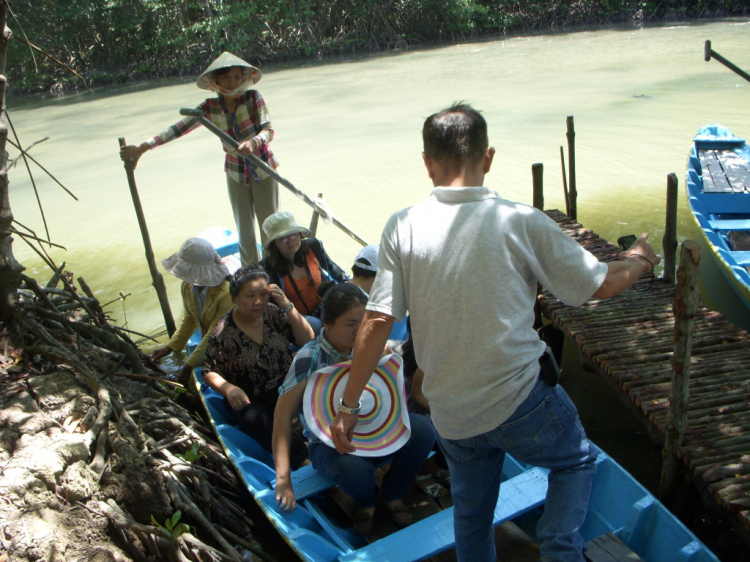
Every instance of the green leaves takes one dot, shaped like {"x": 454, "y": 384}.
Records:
{"x": 172, "y": 528}
{"x": 192, "y": 454}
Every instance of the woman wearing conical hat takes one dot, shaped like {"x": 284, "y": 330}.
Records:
{"x": 241, "y": 113}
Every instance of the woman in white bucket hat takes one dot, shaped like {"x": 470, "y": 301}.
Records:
{"x": 205, "y": 296}
{"x": 242, "y": 113}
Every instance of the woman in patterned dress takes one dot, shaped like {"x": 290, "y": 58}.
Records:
{"x": 249, "y": 354}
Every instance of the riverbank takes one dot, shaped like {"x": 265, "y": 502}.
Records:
{"x": 286, "y": 37}
{"x": 104, "y": 457}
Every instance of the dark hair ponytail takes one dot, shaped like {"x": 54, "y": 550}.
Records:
{"x": 338, "y": 298}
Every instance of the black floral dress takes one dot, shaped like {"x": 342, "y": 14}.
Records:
{"x": 258, "y": 369}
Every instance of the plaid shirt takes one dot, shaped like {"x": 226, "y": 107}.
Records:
{"x": 254, "y": 122}
{"x": 314, "y": 355}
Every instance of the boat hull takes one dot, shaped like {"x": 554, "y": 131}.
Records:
{"x": 721, "y": 214}
{"x": 618, "y": 504}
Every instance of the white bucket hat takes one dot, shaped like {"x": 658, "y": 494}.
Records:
{"x": 228, "y": 60}
{"x": 197, "y": 263}
{"x": 367, "y": 258}
{"x": 282, "y": 224}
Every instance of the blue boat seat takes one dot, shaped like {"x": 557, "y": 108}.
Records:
{"x": 430, "y": 536}
{"x": 742, "y": 258}
{"x": 399, "y": 330}
{"x": 307, "y": 482}
{"x": 739, "y": 224}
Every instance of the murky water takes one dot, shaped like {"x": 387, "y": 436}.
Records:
{"x": 351, "y": 130}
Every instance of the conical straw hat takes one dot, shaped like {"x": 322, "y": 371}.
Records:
{"x": 227, "y": 60}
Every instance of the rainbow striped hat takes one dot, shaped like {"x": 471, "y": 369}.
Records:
{"x": 383, "y": 426}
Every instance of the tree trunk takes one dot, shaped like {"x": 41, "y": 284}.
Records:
{"x": 10, "y": 269}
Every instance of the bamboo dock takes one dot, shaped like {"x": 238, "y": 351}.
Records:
{"x": 629, "y": 341}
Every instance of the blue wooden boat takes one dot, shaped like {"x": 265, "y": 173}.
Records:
{"x": 718, "y": 189}
{"x": 619, "y": 507}
{"x": 621, "y": 511}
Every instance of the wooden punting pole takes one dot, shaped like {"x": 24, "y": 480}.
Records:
{"x": 686, "y": 302}
{"x": 156, "y": 277}
{"x": 258, "y": 163}
{"x": 708, "y": 53}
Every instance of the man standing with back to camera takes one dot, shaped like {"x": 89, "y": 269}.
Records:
{"x": 465, "y": 263}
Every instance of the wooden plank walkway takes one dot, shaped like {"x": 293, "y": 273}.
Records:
{"x": 629, "y": 341}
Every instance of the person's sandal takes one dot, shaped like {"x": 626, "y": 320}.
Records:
{"x": 363, "y": 522}
{"x": 444, "y": 477}
{"x": 399, "y": 514}
{"x": 430, "y": 487}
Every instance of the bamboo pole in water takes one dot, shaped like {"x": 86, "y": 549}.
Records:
{"x": 565, "y": 181}
{"x": 537, "y": 175}
{"x": 687, "y": 300}
{"x": 669, "y": 242}
{"x": 572, "y": 191}
{"x": 156, "y": 277}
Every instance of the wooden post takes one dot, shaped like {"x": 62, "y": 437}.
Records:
{"x": 669, "y": 242}
{"x": 565, "y": 181}
{"x": 572, "y": 192}
{"x": 156, "y": 277}
{"x": 537, "y": 174}
{"x": 314, "y": 219}
{"x": 686, "y": 301}
{"x": 10, "y": 269}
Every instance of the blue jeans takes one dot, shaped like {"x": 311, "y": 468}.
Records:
{"x": 543, "y": 431}
{"x": 356, "y": 475}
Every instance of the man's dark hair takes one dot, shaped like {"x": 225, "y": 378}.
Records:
{"x": 361, "y": 272}
{"x": 457, "y": 134}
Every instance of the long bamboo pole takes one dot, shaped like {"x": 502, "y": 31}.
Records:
{"x": 708, "y": 53}
{"x": 156, "y": 277}
{"x": 258, "y": 163}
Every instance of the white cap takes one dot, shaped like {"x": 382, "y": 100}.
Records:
{"x": 367, "y": 258}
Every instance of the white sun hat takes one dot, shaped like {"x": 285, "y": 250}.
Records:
{"x": 197, "y": 263}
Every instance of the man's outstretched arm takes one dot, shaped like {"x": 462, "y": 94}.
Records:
{"x": 621, "y": 275}
{"x": 368, "y": 349}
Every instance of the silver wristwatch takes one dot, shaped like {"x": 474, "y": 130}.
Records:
{"x": 347, "y": 409}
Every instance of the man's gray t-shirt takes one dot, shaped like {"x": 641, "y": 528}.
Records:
{"x": 465, "y": 263}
